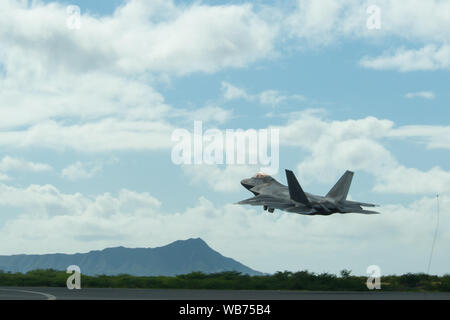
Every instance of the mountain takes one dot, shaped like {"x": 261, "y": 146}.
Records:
{"x": 179, "y": 257}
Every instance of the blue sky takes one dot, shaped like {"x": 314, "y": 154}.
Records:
{"x": 88, "y": 115}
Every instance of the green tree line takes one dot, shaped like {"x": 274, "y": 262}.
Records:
{"x": 301, "y": 280}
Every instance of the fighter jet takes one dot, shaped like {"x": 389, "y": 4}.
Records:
{"x": 272, "y": 195}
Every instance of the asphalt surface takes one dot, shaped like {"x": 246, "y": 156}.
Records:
{"x": 15, "y": 293}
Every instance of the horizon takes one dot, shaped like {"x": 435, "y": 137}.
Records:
{"x": 194, "y": 271}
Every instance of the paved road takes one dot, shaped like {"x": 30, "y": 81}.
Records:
{"x": 25, "y": 294}
{"x": 175, "y": 294}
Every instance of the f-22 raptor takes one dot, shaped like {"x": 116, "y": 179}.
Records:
{"x": 272, "y": 195}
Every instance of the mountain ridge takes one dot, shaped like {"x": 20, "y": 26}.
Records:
{"x": 178, "y": 257}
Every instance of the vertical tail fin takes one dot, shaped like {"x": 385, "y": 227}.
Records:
{"x": 340, "y": 189}
{"x": 295, "y": 191}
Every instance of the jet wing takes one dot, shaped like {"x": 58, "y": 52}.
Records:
{"x": 360, "y": 203}
{"x": 265, "y": 200}
{"x": 362, "y": 211}
{"x": 301, "y": 210}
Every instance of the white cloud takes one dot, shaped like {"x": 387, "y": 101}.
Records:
{"x": 358, "y": 145}
{"x": 175, "y": 39}
{"x": 202, "y": 38}
{"x": 231, "y": 92}
{"x": 429, "y": 57}
{"x": 421, "y": 94}
{"x": 89, "y": 89}
{"x": 316, "y": 21}
{"x": 415, "y": 19}
{"x": 80, "y": 171}
{"x": 209, "y": 113}
{"x": 93, "y": 137}
{"x": 52, "y": 221}
{"x": 415, "y": 181}
{"x": 220, "y": 180}
{"x": 434, "y": 137}
{"x": 311, "y": 126}
{"x": 328, "y": 21}
{"x": 77, "y": 97}
{"x": 267, "y": 97}
{"x": 271, "y": 97}
{"x": 320, "y": 23}
{"x": 9, "y": 163}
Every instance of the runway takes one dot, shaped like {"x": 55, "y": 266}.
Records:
{"x": 22, "y": 293}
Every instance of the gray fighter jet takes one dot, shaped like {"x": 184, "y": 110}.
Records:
{"x": 272, "y": 195}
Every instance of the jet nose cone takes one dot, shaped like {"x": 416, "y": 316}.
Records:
{"x": 246, "y": 184}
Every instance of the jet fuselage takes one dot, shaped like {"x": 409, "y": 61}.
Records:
{"x": 272, "y": 195}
